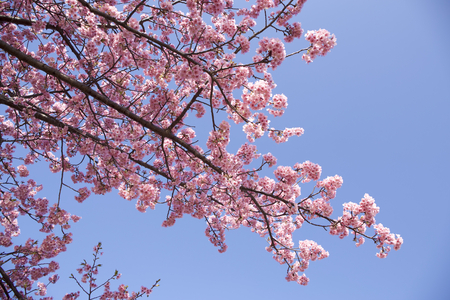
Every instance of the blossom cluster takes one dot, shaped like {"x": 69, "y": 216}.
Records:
{"x": 321, "y": 43}
{"x": 106, "y": 93}
{"x": 309, "y": 171}
{"x": 308, "y": 251}
{"x": 330, "y": 185}
{"x": 273, "y": 48}
{"x": 386, "y": 238}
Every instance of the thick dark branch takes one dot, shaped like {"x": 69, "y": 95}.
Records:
{"x": 17, "y": 21}
{"x": 4, "y": 289}
{"x": 51, "y": 120}
{"x": 10, "y": 284}
{"x": 183, "y": 113}
{"x": 105, "y": 100}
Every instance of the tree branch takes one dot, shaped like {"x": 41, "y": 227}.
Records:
{"x": 105, "y": 100}
{"x": 53, "y": 121}
{"x": 10, "y": 284}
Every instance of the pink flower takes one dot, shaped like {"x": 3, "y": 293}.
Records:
{"x": 245, "y": 44}
{"x": 360, "y": 241}
{"x": 42, "y": 289}
{"x": 303, "y": 280}
{"x": 83, "y": 194}
{"x": 144, "y": 75}
{"x": 309, "y": 170}
{"x": 23, "y": 171}
{"x": 321, "y": 43}
{"x": 54, "y": 278}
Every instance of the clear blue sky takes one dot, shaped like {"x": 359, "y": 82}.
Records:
{"x": 376, "y": 111}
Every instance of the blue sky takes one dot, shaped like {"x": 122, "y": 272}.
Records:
{"x": 376, "y": 110}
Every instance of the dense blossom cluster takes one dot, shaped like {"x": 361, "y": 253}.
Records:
{"x": 330, "y": 185}
{"x": 309, "y": 171}
{"x": 106, "y": 93}
{"x": 321, "y": 43}
{"x": 273, "y": 48}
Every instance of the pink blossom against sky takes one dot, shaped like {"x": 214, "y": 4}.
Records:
{"x": 376, "y": 111}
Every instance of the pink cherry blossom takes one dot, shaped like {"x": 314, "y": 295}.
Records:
{"x": 23, "y": 171}
{"x": 110, "y": 97}
{"x": 321, "y": 43}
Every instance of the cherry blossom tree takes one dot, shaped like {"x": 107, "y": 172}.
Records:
{"x": 106, "y": 92}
